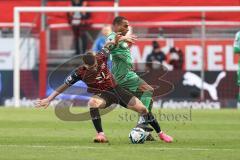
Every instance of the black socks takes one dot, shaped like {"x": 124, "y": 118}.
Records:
{"x": 96, "y": 119}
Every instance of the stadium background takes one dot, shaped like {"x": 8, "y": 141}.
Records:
{"x": 201, "y": 130}
{"x": 163, "y": 27}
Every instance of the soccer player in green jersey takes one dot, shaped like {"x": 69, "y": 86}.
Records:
{"x": 122, "y": 69}
{"x": 236, "y": 47}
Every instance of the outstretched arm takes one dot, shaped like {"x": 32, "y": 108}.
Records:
{"x": 69, "y": 81}
{"x": 46, "y": 101}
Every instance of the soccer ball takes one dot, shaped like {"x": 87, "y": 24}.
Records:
{"x": 137, "y": 135}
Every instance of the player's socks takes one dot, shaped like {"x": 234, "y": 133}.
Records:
{"x": 150, "y": 119}
{"x": 153, "y": 122}
{"x": 146, "y": 99}
{"x": 96, "y": 119}
{"x": 142, "y": 120}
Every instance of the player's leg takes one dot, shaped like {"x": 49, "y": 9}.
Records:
{"x": 150, "y": 119}
{"x": 128, "y": 100}
{"x": 97, "y": 122}
{"x": 154, "y": 123}
{"x": 97, "y": 102}
{"x": 131, "y": 102}
{"x": 147, "y": 93}
{"x": 146, "y": 98}
{"x": 136, "y": 105}
{"x": 132, "y": 84}
{"x": 94, "y": 103}
{"x": 144, "y": 93}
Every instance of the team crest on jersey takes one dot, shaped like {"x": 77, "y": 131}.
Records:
{"x": 101, "y": 77}
{"x": 69, "y": 78}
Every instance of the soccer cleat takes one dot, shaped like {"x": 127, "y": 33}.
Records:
{"x": 100, "y": 138}
{"x": 166, "y": 138}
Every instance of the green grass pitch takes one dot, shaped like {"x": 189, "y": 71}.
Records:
{"x": 38, "y": 134}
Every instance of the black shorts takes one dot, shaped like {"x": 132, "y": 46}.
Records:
{"x": 117, "y": 95}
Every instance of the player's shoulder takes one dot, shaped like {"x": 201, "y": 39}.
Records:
{"x": 100, "y": 57}
{"x": 80, "y": 70}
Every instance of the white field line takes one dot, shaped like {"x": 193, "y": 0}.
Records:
{"x": 148, "y": 148}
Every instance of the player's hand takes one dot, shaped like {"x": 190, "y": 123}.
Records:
{"x": 128, "y": 38}
{"x": 109, "y": 45}
{"x": 42, "y": 103}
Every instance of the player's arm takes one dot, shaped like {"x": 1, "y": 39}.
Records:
{"x": 128, "y": 38}
{"x": 122, "y": 41}
{"x": 107, "y": 48}
{"x": 114, "y": 41}
{"x": 69, "y": 81}
{"x": 46, "y": 101}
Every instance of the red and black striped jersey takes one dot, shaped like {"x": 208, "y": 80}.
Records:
{"x": 97, "y": 79}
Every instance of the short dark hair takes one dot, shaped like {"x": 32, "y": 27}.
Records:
{"x": 89, "y": 58}
{"x": 118, "y": 20}
{"x": 155, "y": 44}
{"x": 172, "y": 49}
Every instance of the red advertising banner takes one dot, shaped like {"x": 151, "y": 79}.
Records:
{"x": 218, "y": 54}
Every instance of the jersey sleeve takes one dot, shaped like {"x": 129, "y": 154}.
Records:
{"x": 111, "y": 38}
{"x": 104, "y": 52}
{"x": 72, "y": 78}
{"x": 101, "y": 58}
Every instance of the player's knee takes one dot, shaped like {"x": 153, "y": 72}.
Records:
{"x": 103, "y": 104}
{"x": 93, "y": 103}
{"x": 142, "y": 110}
{"x": 148, "y": 89}
{"x": 151, "y": 89}
{"x": 96, "y": 103}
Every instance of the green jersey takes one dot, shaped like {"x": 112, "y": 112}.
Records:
{"x": 236, "y": 44}
{"x": 236, "y": 47}
{"x": 122, "y": 67}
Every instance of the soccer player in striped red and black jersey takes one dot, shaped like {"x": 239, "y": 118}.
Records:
{"x": 100, "y": 82}
{"x": 94, "y": 73}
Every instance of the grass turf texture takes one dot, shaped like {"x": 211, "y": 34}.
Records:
{"x": 38, "y": 134}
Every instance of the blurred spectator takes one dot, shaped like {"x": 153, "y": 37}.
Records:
{"x": 101, "y": 39}
{"x": 180, "y": 61}
{"x": 77, "y": 17}
{"x": 77, "y": 21}
{"x": 155, "y": 57}
{"x": 176, "y": 58}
